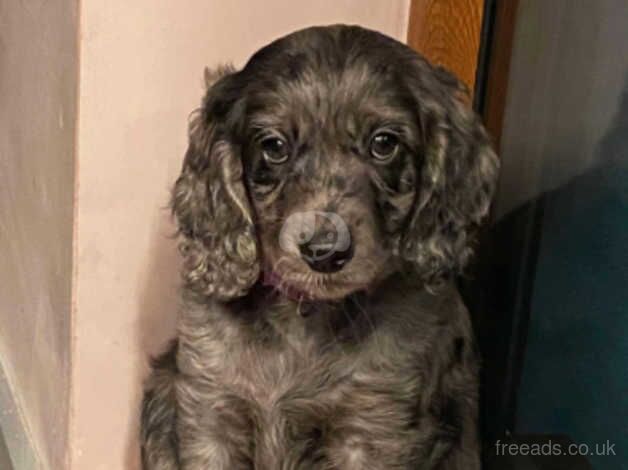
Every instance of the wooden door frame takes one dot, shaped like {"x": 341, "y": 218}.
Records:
{"x": 495, "y": 292}
{"x": 473, "y": 40}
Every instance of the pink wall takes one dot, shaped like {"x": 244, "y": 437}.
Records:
{"x": 141, "y": 66}
{"x": 38, "y": 100}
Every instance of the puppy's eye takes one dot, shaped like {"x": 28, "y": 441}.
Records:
{"x": 384, "y": 146}
{"x": 274, "y": 150}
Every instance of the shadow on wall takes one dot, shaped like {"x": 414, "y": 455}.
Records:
{"x": 158, "y": 312}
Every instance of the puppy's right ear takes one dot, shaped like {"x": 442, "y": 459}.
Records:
{"x": 209, "y": 200}
{"x": 459, "y": 171}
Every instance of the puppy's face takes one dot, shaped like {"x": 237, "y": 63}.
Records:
{"x": 335, "y": 155}
{"x": 330, "y": 166}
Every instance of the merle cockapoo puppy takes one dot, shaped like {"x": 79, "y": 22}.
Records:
{"x": 329, "y": 195}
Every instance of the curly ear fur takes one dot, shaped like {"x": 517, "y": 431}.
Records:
{"x": 458, "y": 176}
{"x": 218, "y": 241}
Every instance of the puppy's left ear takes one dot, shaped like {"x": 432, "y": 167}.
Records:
{"x": 209, "y": 200}
{"x": 458, "y": 171}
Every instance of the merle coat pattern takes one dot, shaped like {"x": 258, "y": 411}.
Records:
{"x": 366, "y": 364}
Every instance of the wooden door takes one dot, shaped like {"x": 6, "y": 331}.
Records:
{"x": 473, "y": 40}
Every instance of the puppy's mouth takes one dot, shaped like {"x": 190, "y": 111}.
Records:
{"x": 294, "y": 279}
{"x": 309, "y": 286}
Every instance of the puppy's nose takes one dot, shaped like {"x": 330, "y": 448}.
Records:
{"x": 321, "y": 252}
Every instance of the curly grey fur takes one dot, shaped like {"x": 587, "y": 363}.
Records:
{"x": 218, "y": 242}
{"x": 376, "y": 373}
{"x": 458, "y": 181}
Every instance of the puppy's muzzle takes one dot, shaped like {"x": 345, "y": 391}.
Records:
{"x": 323, "y": 239}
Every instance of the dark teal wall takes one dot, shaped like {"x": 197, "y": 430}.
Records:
{"x": 575, "y": 375}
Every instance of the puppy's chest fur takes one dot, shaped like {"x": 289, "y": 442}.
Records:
{"x": 348, "y": 386}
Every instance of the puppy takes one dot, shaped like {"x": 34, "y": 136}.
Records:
{"x": 329, "y": 194}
